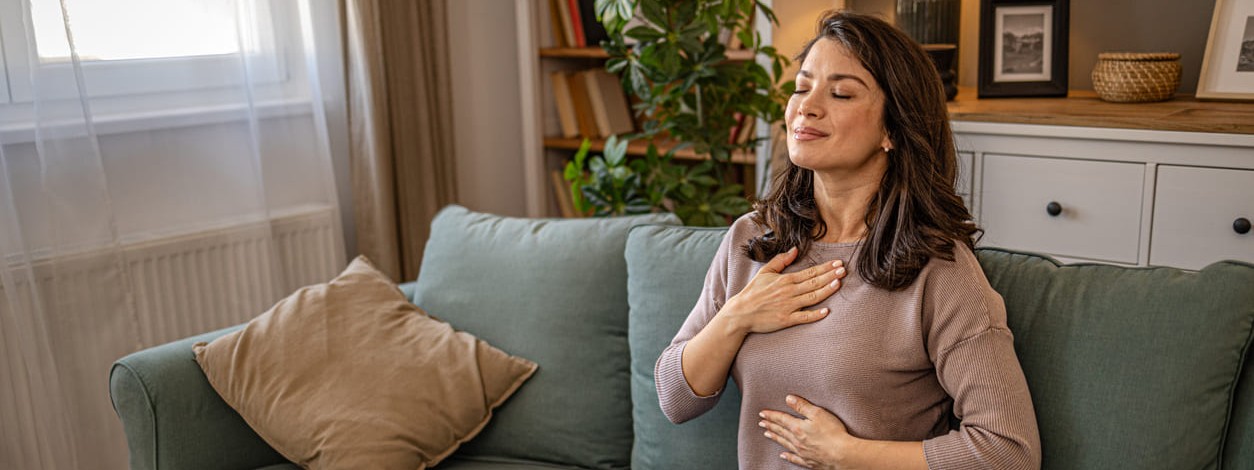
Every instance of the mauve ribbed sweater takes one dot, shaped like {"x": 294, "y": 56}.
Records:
{"x": 890, "y": 365}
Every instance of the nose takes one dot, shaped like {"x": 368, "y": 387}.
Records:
{"x": 806, "y": 106}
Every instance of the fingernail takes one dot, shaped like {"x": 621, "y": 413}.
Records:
{"x": 835, "y": 283}
{"x": 840, "y": 271}
{"x": 837, "y": 263}
{"x": 762, "y": 415}
{"x": 783, "y": 457}
{"x": 767, "y": 434}
{"x": 823, "y": 311}
{"x": 761, "y": 424}
{"x": 792, "y": 250}
{"x": 790, "y": 399}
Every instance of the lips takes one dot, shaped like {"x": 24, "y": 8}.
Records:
{"x": 803, "y": 133}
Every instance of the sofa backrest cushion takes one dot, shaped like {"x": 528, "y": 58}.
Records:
{"x": 553, "y": 291}
{"x": 1128, "y": 367}
{"x": 666, "y": 267}
{"x": 1239, "y": 445}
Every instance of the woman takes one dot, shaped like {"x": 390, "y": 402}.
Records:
{"x": 849, "y": 306}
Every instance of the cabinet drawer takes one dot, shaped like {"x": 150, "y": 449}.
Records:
{"x": 964, "y": 173}
{"x": 1195, "y": 213}
{"x": 1098, "y": 206}
{"x": 963, "y": 187}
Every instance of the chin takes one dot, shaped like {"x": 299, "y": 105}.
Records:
{"x": 802, "y": 159}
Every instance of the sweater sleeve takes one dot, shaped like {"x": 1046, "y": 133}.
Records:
{"x": 973, "y": 352}
{"x": 679, "y": 402}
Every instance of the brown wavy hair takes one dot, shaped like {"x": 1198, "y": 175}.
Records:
{"x": 915, "y": 215}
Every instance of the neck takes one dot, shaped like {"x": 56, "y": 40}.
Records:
{"x": 842, "y": 201}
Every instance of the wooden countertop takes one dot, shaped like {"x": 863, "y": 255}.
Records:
{"x": 1083, "y": 108}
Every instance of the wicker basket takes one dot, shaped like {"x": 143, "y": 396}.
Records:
{"x": 1132, "y": 77}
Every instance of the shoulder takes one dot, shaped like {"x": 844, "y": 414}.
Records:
{"x": 964, "y": 266}
{"x": 743, "y": 229}
{"x": 959, "y": 286}
{"x": 746, "y": 226}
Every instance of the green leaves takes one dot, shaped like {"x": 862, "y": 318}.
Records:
{"x": 673, "y": 60}
{"x": 607, "y": 186}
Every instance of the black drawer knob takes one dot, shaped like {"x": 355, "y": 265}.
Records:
{"x": 1053, "y": 208}
{"x": 1241, "y": 225}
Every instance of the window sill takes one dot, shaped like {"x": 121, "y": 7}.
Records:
{"x": 127, "y": 122}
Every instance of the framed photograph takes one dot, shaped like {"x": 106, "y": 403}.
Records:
{"x": 1228, "y": 66}
{"x": 1023, "y": 48}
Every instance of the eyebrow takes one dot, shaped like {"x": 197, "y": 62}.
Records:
{"x": 833, "y": 77}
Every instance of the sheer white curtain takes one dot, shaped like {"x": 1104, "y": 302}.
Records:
{"x": 164, "y": 171}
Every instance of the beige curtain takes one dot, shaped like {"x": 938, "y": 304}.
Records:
{"x": 400, "y": 115}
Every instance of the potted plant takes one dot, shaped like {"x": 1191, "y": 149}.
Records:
{"x": 673, "y": 60}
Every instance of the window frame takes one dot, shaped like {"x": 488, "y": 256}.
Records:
{"x": 142, "y": 78}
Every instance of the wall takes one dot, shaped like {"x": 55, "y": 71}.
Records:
{"x": 487, "y": 106}
{"x": 1099, "y": 26}
{"x": 797, "y": 21}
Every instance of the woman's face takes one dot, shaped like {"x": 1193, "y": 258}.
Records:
{"x": 835, "y": 118}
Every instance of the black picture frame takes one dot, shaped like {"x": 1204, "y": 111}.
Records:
{"x": 1023, "y": 48}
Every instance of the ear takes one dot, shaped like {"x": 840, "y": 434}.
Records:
{"x": 886, "y": 144}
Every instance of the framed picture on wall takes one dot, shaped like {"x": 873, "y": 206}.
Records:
{"x": 1228, "y": 66}
{"x": 1023, "y": 48}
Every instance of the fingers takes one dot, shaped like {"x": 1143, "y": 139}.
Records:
{"x": 777, "y": 434}
{"x": 808, "y": 316}
{"x": 779, "y": 262}
{"x": 802, "y": 406}
{"x": 820, "y": 287}
{"x": 795, "y": 460}
{"x": 776, "y": 430}
{"x": 801, "y": 277}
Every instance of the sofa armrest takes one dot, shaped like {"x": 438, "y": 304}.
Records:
{"x": 172, "y": 417}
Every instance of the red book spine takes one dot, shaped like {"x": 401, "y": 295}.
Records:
{"x": 577, "y": 23}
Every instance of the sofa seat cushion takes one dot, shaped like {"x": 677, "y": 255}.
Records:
{"x": 1128, "y": 367}
{"x": 666, "y": 268}
{"x": 553, "y": 291}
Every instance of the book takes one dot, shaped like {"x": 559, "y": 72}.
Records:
{"x": 555, "y": 21}
{"x": 561, "y": 192}
{"x": 614, "y": 99}
{"x": 568, "y": 29}
{"x": 576, "y": 23}
{"x": 734, "y": 135}
{"x": 583, "y": 106}
{"x": 597, "y": 100}
{"x": 746, "y": 131}
{"x": 565, "y": 104}
{"x": 593, "y": 31}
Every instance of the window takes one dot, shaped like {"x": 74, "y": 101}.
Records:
{"x": 120, "y": 30}
{"x": 138, "y": 47}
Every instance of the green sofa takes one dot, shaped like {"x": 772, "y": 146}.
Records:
{"x": 1128, "y": 367}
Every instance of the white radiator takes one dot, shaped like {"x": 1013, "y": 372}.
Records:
{"x": 182, "y": 284}
{"x": 221, "y": 278}
{"x": 196, "y": 282}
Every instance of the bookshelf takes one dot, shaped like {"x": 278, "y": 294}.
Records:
{"x": 545, "y": 149}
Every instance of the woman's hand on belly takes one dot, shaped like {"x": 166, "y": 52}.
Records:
{"x": 773, "y": 301}
{"x": 816, "y": 440}
{"x": 820, "y": 440}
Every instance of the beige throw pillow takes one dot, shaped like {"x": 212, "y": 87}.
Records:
{"x": 349, "y": 374}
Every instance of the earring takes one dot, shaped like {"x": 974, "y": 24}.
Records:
{"x": 887, "y": 148}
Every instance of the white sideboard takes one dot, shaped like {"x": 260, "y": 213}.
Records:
{"x": 1121, "y": 196}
